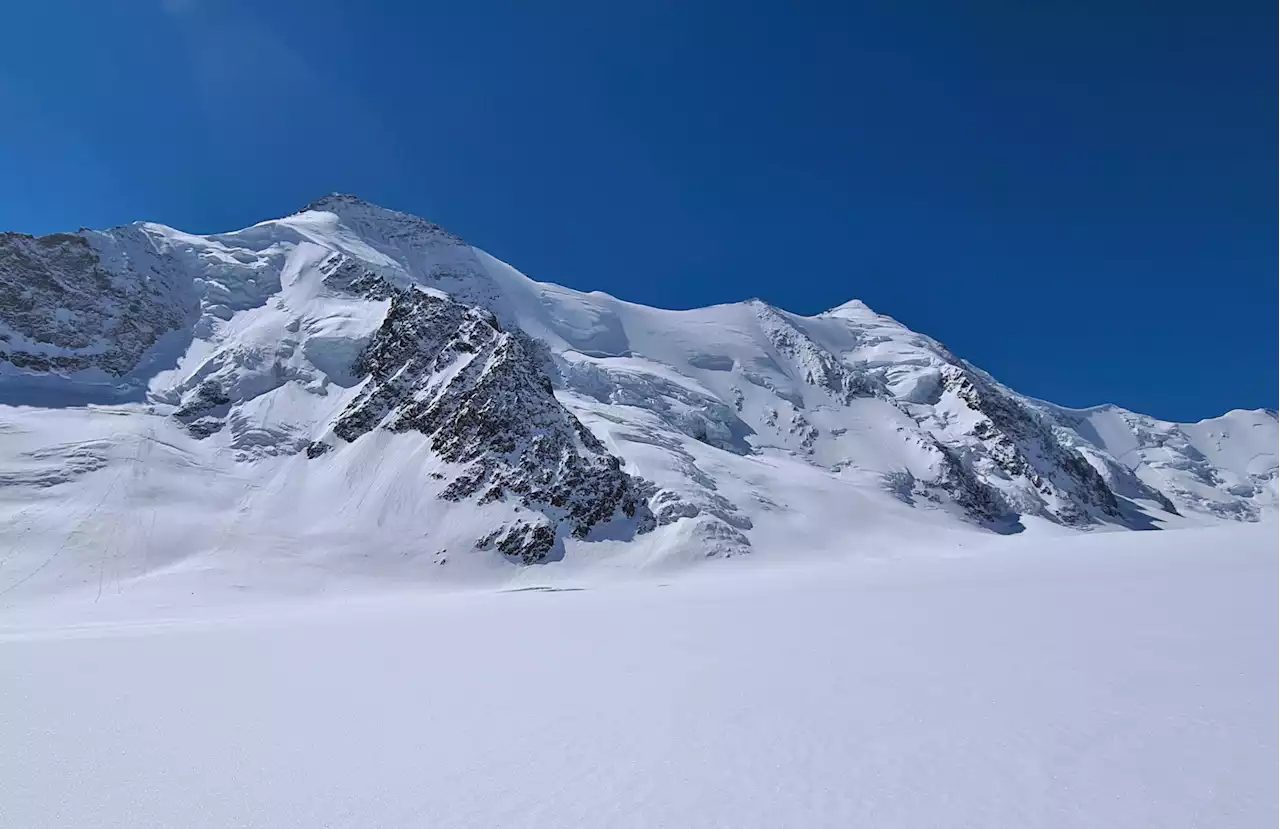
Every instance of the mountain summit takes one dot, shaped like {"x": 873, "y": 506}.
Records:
{"x": 356, "y": 389}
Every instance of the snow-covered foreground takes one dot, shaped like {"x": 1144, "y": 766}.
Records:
{"x": 1120, "y": 680}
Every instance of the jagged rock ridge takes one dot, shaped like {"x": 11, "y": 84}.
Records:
{"x": 451, "y": 372}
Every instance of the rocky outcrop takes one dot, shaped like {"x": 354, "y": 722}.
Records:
{"x": 452, "y": 373}
{"x": 1006, "y": 440}
{"x": 1021, "y": 445}
{"x": 63, "y": 310}
{"x": 205, "y": 409}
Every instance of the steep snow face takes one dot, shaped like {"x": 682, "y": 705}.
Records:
{"x": 1224, "y": 466}
{"x": 850, "y": 391}
{"x": 364, "y": 381}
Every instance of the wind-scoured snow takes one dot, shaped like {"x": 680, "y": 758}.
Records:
{"x": 353, "y": 392}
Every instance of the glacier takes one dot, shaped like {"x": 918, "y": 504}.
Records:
{"x": 353, "y": 393}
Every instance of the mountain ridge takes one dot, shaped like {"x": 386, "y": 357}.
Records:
{"x": 715, "y": 431}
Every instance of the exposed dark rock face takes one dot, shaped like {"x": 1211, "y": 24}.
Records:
{"x": 1120, "y": 479}
{"x": 317, "y": 448}
{"x": 204, "y": 411}
{"x": 1020, "y": 443}
{"x": 977, "y": 499}
{"x": 343, "y": 274}
{"x": 1011, "y": 438}
{"x": 62, "y": 310}
{"x": 450, "y": 372}
{"x": 954, "y": 481}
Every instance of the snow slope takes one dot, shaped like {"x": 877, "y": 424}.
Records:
{"x": 352, "y": 392}
{"x": 1224, "y": 466}
{"x": 1093, "y": 680}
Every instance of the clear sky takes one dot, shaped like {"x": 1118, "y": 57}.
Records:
{"x": 1078, "y": 196}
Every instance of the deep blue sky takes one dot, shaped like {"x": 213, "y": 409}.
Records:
{"x": 1077, "y": 196}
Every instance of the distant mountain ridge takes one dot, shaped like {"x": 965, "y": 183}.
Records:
{"x": 362, "y": 385}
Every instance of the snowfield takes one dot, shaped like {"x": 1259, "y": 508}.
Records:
{"x": 1097, "y": 680}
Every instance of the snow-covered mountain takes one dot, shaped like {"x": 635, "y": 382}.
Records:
{"x": 355, "y": 390}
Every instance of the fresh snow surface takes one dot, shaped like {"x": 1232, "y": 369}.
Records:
{"x": 1098, "y": 680}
